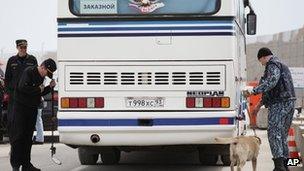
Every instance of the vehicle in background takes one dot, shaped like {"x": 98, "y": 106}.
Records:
{"x": 46, "y": 114}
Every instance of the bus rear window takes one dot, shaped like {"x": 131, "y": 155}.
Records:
{"x": 143, "y": 7}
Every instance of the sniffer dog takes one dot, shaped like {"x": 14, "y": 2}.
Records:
{"x": 242, "y": 149}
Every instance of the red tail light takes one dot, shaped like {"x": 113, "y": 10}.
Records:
{"x": 82, "y": 102}
{"x": 208, "y": 102}
{"x": 73, "y": 102}
{"x": 190, "y": 102}
{"x": 216, "y": 102}
{"x": 99, "y": 102}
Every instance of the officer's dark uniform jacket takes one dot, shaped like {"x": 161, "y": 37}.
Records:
{"x": 276, "y": 84}
{"x": 26, "y": 101}
{"x": 14, "y": 69}
{"x": 28, "y": 91}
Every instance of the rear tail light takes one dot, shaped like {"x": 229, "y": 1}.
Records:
{"x": 73, "y": 103}
{"x": 82, "y": 102}
{"x": 199, "y": 102}
{"x": 91, "y": 102}
{"x": 225, "y": 102}
{"x": 99, "y": 102}
{"x": 190, "y": 102}
{"x": 208, "y": 102}
{"x": 65, "y": 102}
{"x": 216, "y": 102}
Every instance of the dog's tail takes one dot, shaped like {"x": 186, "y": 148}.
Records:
{"x": 226, "y": 140}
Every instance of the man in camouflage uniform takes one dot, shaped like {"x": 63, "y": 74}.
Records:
{"x": 279, "y": 97}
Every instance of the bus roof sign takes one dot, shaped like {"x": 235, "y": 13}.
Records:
{"x": 98, "y": 7}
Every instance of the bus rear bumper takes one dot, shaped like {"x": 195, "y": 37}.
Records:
{"x": 145, "y": 136}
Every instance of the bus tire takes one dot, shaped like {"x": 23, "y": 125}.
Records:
{"x": 86, "y": 157}
{"x": 1, "y": 136}
{"x": 226, "y": 160}
{"x": 207, "y": 159}
{"x": 110, "y": 157}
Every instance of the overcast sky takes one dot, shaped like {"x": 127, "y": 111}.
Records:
{"x": 35, "y": 20}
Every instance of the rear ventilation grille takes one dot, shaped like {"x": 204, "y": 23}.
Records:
{"x": 144, "y": 78}
{"x": 76, "y": 78}
{"x": 196, "y": 78}
{"x": 93, "y": 78}
{"x": 161, "y": 78}
{"x": 213, "y": 78}
{"x": 110, "y": 78}
{"x": 191, "y": 78}
{"x": 179, "y": 78}
{"x": 127, "y": 78}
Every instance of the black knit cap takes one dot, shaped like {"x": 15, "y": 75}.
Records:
{"x": 21, "y": 42}
{"x": 51, "y": 67}
{"x": 264, "y": 52}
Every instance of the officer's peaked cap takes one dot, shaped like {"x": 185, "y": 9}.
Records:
{"x": 51, "y": 67}
{"x": 21, "y": 42}
{"x": 264, "y": 52}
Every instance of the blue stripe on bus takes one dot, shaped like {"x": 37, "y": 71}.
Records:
{"x": 147, "y": 34}
{"x": 144, "y": 28}
{"x": 134, "y": 122}
{"x": 150, "y": 22}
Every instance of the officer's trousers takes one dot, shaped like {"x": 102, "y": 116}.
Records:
{"x": 21, "y": 132}
{"x": 279, "y": 121}
{"x": 39, "y": 127}
{"x": 9, "y": 112}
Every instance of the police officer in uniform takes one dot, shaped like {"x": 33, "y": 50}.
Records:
{"x": 14, "y": 68}
{"x": 27, "y": 99}
{"x": 279, "y": 96}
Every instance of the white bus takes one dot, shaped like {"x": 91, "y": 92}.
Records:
{"x": 150, "y": 74}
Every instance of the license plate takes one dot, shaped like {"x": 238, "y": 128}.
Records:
{"x": 145, "y": 102}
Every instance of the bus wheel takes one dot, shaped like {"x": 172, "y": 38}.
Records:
{"x": 207, "y": 159}
{"x": 86, "y": 157}
{"x": 1, "y": 136}
{"x": 110, "y": 156}
{"x": 226, "y": 160}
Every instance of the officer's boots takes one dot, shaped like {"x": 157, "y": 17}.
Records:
{"x": 279, "y": 164}
{"x": 285, "y": 164}
{"x": 15, "y": 168}
{"x": 30, "y": 168}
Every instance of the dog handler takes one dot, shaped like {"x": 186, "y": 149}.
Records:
{"x": 279, "y": 97}
{"x": 27, "y": 99}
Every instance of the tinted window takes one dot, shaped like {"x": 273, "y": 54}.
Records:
{"x": 142, "y": 7}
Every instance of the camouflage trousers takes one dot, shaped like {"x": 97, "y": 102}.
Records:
{"x": 279, "y": 121}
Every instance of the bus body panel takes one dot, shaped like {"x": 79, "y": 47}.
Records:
{"x": 146, "y": 48}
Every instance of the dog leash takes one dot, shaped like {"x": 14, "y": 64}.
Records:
{"x": 253, "y": 128}
{"x": 53, "y": 148}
